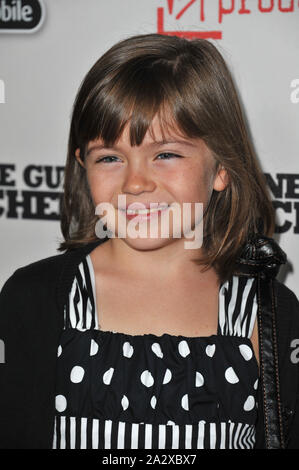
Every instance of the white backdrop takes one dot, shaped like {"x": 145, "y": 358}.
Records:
{"x": 40, "y": 73}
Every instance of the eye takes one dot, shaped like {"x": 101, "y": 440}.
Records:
{"x": 168, "y": 155}
{"x": 103, "y": 159}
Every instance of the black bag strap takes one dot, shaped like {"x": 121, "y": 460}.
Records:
{"x": 261, "y": 258}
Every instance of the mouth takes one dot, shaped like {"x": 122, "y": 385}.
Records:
{"x": 144, "y": 214}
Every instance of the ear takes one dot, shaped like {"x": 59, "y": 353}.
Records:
{"x": 78, "y": 158}
{"x": 221, "y": 180}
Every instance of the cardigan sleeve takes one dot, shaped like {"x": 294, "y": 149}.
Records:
{"x": 11, "y": 376}
{"x": 30, "y": 325}
{"x": 291, "y": 382}
{"x": 287, "y": 331}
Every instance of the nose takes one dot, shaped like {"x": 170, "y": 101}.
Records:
{"x": 138, "y": 180}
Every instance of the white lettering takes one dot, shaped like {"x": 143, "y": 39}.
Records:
{"x": 15, "y": 12}
{"x": 294, "y": 355}
{"x": 27, "y": 10}
{"x": 2, "y": 352}
{"x": 138, "y": 225}
{"x": 295, "y": 94}
{"x": 2, "y": 91}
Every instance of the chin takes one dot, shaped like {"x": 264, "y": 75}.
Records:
{"x": 147, "y": 244}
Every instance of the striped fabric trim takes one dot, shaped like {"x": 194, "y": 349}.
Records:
{"x": 237, "y": 307}
{"x": 90, "y": 433}
{"x": 80, "y": 309}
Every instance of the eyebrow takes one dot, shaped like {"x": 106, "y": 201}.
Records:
{"x": 153, "y": 144}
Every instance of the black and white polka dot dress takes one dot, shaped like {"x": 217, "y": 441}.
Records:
{"x": 120, "y": 391}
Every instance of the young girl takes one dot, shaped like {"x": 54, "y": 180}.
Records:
{"x": 125, "y": 342}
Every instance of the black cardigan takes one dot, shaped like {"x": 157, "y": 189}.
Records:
{"x": 31, "y": 322}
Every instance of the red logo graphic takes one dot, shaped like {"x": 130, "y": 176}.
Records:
{"x": 186, "y": 34}
{"x": 222, "y": 8}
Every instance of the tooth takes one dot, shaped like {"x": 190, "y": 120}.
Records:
{"x": 145, "y": 211}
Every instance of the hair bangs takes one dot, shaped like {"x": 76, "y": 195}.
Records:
{"x": 134, "y": 96}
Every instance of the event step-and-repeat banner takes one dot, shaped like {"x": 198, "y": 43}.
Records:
{"x": 47, "y": 47}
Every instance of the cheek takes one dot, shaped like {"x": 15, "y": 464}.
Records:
{"x": 92, "y": 180}
{"x": 97, "y": 181}
{"x": 193, "y": 184}
{"x": 99, "y": 187}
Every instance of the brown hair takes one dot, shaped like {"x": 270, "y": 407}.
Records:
{"x": 151, "y": 74}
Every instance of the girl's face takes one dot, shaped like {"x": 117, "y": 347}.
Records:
{"x": 177, "y": 170}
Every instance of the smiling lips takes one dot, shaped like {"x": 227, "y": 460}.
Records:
{"x": 144, "y": 213}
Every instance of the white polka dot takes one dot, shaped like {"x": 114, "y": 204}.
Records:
{"x": 167, "y": 376}
{"x": 147, "y": 378}
{"x": 249, "y": 403}
{"x": 128, "y": 349}
{"x": 231, "y": 376}
{"x": 199, "y": 380}
{"x": 245, "y": 351}
{"x": 184, "y": 348}
{"x": 108, "y": 376}
{"x": 77, "y": 374}
{"x": 185, "y": 402}
{"x": 210, "y": 350}
{"x": 59, "y": 351}
{"x": 156, "y": 348}
{"x": 256, "y": 384}
{"x": 124, "y": 402}
{"x": 153, "y": 402}
{"x": 94, "y": 347}
{"x": 60, "y": 403}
